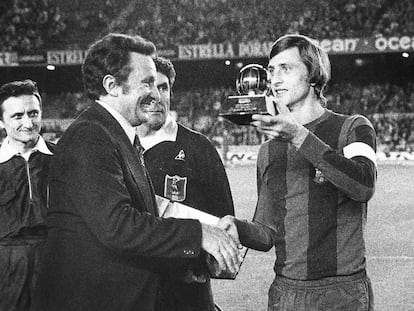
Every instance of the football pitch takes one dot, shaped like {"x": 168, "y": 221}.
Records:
{"x": 389, "y": 236}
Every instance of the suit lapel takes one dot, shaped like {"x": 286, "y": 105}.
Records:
{"x": 139, "y": 174}
{"x": 130, "y": 156}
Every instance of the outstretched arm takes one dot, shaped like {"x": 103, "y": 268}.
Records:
{"x": 251, "y": 234}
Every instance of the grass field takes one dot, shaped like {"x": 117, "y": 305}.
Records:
{"x": 389, "y": 239}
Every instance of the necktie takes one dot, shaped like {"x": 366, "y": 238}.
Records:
{"x": 140, "y": 150}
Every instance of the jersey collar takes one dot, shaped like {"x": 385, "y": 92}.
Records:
{"x": 168, "y": 132}
{"x": 7, "y": 151}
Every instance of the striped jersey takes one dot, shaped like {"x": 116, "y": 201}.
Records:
{"x": 314, "y": 199}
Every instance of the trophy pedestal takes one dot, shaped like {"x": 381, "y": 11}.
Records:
{"x": 239, "y": 109}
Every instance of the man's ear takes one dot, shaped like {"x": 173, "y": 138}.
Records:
{"x": 110, "y": 85}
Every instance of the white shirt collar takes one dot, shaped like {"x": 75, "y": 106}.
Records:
{"x": 7, "y": 151}
{"x": 168, "y": 132}
{"x": 127, "y": 127}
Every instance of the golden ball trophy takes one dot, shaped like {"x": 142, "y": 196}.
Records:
{"x": 252, "y": 85}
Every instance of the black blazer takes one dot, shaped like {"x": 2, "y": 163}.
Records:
{"x": 106, "y": 247}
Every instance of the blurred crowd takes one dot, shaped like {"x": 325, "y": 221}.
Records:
{"x": 390, "y": 107}
{"x": 25, "y": 25}
{"x": 28, "y": 24}
{"x": 172, "y": 22}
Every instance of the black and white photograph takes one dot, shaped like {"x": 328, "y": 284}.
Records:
{"x": 206, "y": 155}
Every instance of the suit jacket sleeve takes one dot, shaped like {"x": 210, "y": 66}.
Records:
{"x": 99, "y": 187}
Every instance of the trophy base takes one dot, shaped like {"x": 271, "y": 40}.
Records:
{"x": 241, "y": 118}
{"x": 239, "y": 109}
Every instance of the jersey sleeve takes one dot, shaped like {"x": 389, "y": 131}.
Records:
{"x": 255, "y": 235}
{"x": 351, "y": 168}
{"x": 260, "y": 233}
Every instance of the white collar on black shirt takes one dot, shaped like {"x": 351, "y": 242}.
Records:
{"x": 168, "y": 132}
{"x": 7, "y": 151}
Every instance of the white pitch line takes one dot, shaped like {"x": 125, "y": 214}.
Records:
{"x": 391, "y": 257}
{"x": 258, "y": 254}
{"x": 403, "y": 305}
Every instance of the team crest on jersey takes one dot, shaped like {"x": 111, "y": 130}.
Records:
{"x": 319, "y": 177}
{"x": 175, "y": 188}
{"x": 180, "y": 156}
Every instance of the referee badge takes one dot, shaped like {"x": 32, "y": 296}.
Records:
{"x": 180, "y": 156}
{"x": 319, "y": 177}
{"x": 175, "y": 188}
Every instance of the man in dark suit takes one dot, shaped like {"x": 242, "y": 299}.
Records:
{"x": 107, "y": 247}
{"x": 184, "y": 167}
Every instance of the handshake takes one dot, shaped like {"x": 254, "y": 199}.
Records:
{"x": 220, "y": 239}
{"x": 225, "y": 252}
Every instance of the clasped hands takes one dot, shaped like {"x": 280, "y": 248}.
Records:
{"x": 222, "y": 242}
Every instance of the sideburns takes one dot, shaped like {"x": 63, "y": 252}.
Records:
{"x": 125, "y": 89}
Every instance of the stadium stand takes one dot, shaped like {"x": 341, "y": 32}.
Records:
{"x": 85, "y": 21}
{"x": 61, "y": 23}
{"x": 25, "y": 25}
{"x": 29, "y": 25}
{"x": 173, "y": 22}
